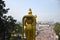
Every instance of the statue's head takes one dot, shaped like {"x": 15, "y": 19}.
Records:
{"x": 29, "y": 11}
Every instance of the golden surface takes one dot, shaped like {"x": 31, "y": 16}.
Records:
{"x": 29, "y": 26}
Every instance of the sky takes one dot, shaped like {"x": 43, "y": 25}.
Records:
{"x": 46, "y": 10}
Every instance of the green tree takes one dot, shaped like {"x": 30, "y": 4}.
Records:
{"x": 7, "y": 23}
{"x": 18, "y": 31}
{"x": 19, "y": 27}
{"x": 10, "y": 26}
{"x": 2, "y": 21}
{"x": 57, "y": 29}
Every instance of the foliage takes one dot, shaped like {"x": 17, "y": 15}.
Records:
{"x": 57, "y": 28}
{"x": 7, "y": 23}
{"x": 19, "y": 28}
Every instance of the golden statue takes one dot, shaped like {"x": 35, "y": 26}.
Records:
{"x": 29, "y": 26}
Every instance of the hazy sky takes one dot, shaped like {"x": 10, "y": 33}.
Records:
{"x": 46, "y": 10}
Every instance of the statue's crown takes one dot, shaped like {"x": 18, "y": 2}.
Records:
{"x": 29, "y": 10}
